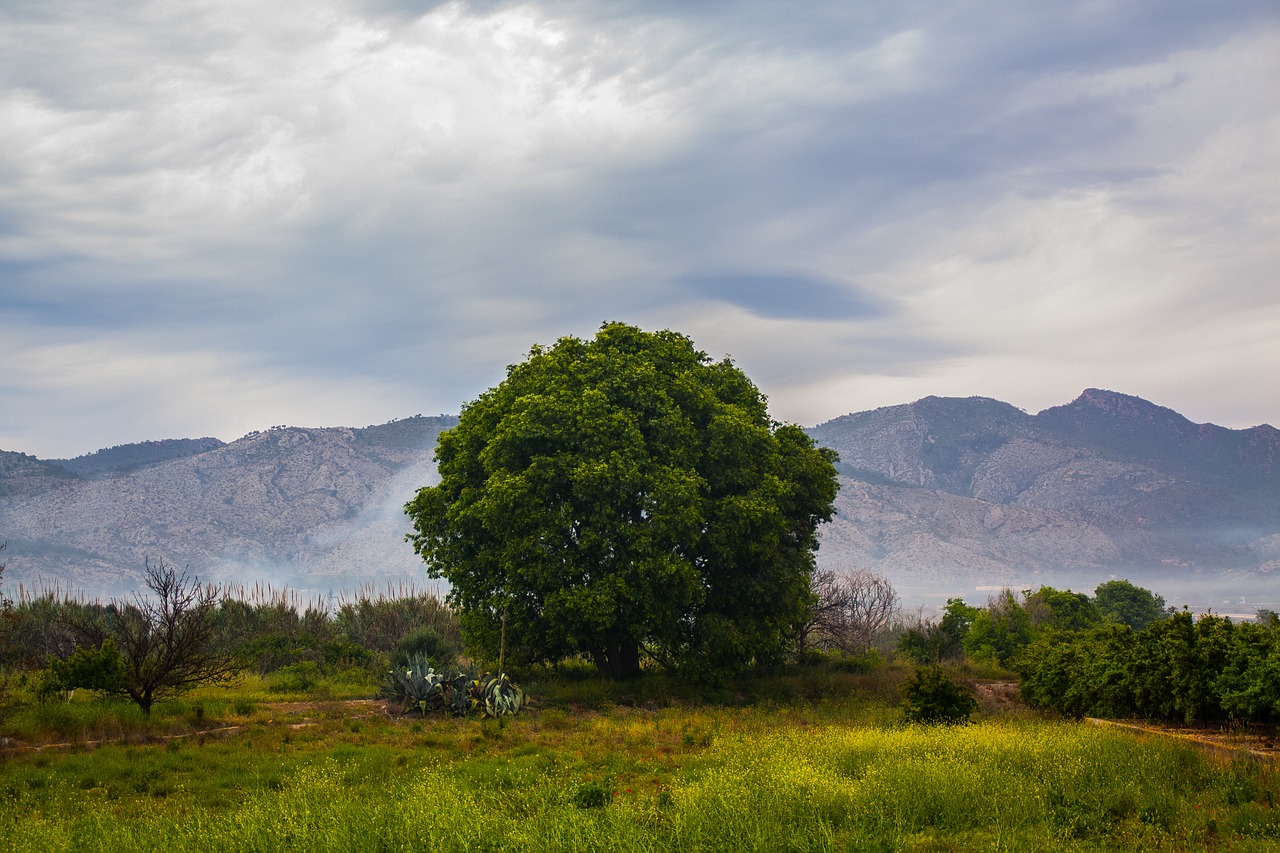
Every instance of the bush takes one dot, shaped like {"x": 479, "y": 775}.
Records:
{"x": 424, "y": 642}
{"x": 931, "y": 697}
{"x": 592, "y": 795}
{"x": 301, "y": 677}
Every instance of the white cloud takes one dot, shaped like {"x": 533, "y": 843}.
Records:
{"x": 358, "y": 207}
{"x": 118, "y": 391}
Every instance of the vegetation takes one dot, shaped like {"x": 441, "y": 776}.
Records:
{"x": 1179, "y": 668}
{"x": 452, "y": 690}
{"x": 277, "y": 642}
{"x": 842, "y": 773}
{"x": 931, "y": 697}
{"x": 1123, "y": 603}
{"x": 621, "y": 496}
{"x": 8, "y": 645}
{"x": 158, "y": 645}
{"x": 1010, "y": 622}
{"x": 830, "y": 752}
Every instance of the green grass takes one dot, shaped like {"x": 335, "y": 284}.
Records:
{"x": 826, "y": 769}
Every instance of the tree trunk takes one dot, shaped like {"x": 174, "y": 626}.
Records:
{"x": 618, "y": 660}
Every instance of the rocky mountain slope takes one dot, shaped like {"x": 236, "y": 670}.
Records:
{"x": 941, "y": 495}
{"x": 310, "y": 508}
{"x": 1108, "y": 484}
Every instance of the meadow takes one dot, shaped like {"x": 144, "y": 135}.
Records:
{"x": 812, "y": 760}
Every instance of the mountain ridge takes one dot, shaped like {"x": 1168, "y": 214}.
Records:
{"x": 940, "y": 491}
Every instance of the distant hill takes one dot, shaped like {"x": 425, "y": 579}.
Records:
{"x": 131, "y": 457}
{"x": 312, "y": 508}
{"x": 942, "y": 495}
{"x": 1107, "y": 484}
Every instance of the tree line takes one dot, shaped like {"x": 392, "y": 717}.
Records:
{"x": 1120, "y": 653}
{"x": 1180, "y": 668}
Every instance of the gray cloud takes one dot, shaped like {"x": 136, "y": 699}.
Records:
{"x": 369, "y": 211}
{"x": 785, "y": 296}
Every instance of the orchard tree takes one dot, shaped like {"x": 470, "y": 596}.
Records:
{"x": 1121, "y": 601}
{"x": 626, "y": 495}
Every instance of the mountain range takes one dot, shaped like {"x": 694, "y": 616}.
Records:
{"x": 943, "y": 496}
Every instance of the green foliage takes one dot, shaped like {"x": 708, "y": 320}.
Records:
{"x": 592, "y": 795}
{"x": 426, "y": 642}
{"x": 93, "y": 668}
{"x": 1061, "y": 610}
{"x": 625, "y": 493}
{"x": 383, "y": 623}
{"x": 1122, "y": 602}
{"x": 999, "y": 630}
{"x": 8, "y": 646}
{"x": 270, "y": 629}
{"x": 934, "y": 642}
{"x": 300, "y": 677}
{"x": 1177, "y": 668}
{"x": 929, "y": 696}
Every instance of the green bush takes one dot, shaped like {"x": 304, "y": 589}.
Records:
{"x": 931, "y": 697}
{"x": 592, "y": 795}
{"x": 298, "y": 677}
{"x": 427, "y": 642}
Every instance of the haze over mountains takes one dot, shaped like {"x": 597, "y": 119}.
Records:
{"x": 944, "y": 495}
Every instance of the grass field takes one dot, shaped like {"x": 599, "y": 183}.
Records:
{"x": 807, "y": 765}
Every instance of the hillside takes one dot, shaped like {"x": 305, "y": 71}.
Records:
{"x": 1108, "y": 484}
{"x": 314, "y": 508}
{"x": 942, "y": 495}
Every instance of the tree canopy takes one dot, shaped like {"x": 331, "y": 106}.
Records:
{"x": 1121, "y": 601}
{"x": 626, "y": 494}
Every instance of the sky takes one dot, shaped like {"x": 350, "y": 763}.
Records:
{"x": 217, "y": 217}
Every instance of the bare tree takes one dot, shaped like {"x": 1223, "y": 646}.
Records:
{"x": 166, "y": 642}
{"x": 850, "y": 609}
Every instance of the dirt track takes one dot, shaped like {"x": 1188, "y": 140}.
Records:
{"x": 1259, "y": 743}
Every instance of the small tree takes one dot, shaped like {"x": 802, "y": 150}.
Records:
{"x": 1061, "y": 609}
{"x": 849, "y": 610}
{"x": 154, "y": 646}
{"x": 999, "y": 630}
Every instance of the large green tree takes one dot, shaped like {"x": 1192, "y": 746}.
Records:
{"x": 625, "y": 495}
{"x": 1121, "y": 601}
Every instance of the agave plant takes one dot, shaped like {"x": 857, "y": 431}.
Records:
{"x": 417, "y": 685}
{"x": 501, "y": 697}
{"x": 455, "y": 690}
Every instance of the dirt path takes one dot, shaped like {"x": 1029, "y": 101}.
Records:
{"x": 1258, "y": 743}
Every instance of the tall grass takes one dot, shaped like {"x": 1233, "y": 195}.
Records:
{"x": 1024, "y": 785}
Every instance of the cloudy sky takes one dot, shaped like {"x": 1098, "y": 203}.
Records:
{"x": 220, "y": 216}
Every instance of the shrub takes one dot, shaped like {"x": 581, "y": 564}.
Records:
{"x": 592, "y": 795}
{"x": 931, "y": 697}
{"x": 427, "y": 642}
